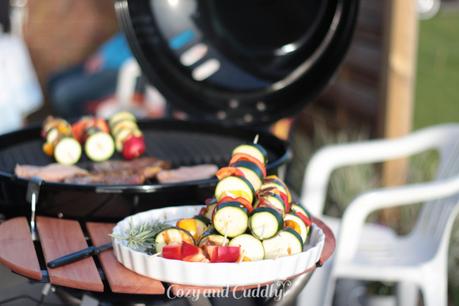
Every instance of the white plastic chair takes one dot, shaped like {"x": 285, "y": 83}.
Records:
{"x": 374, "y": 253}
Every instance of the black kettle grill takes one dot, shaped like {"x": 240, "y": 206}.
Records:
{"x": 234, "y": 66}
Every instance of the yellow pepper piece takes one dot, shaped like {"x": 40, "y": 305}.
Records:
{"x": 293, "y": 225}
{"x": 193, "y": 226}
{"x": 48, "y": 148}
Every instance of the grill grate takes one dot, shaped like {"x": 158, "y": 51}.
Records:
{"x": 180, "y": 147}
{"x": 181, "y": 143}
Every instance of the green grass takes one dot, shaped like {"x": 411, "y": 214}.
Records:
{"x": 437, "y": 91}
{"x": 437, "y": 88}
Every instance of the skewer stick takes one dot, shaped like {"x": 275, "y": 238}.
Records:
{"x": 226, "y": 233}
{"x": 255, "y": 140}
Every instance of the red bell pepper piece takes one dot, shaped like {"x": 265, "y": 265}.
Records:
{"x": 101, "y": 124}
{"x": 262, "y": 202}
{"x": 305, "y": 218}
{"x": 189, "y": 249}
{"x": 246, "y": 157}
{"x": 192, "y": 253}
{"x": 203, "y": 211}
{"x": 228, "y": 171}
{"x": 283, "y": 196}
{"x": 211, "y": 252}
{"x": 240, "y": 200}
{"x": 227, "y": 254}
{"x": 172, "y": 251}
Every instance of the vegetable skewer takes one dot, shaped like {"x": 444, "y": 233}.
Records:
{"x": 250, "y": 211}
{"x": 59, "y": 141}
{"x": 129, "y": 139}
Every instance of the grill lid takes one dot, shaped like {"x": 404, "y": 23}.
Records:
{"x": 240, "y": 62}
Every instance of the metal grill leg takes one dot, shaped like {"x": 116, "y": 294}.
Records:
{"x": 33, "y": 190}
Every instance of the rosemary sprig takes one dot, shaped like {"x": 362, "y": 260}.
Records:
{"x": 142, "y": 237}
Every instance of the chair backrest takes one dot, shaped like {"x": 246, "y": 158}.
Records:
{"x": 436, "y": 217}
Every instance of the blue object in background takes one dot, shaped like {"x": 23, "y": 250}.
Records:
{"x": 181, "y": 39}
{"x": 114, "y": 52}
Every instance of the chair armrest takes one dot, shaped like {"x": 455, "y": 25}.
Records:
{"x": 326, "y": 160}
{"x": 355, "y": 215}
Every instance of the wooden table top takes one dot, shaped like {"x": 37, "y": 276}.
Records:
{"x": 59, "y": 237}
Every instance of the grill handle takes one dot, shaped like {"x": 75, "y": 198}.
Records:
{"x": 33, "y": 191}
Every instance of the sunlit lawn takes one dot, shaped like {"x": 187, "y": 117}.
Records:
{"x": 437, "y": 91}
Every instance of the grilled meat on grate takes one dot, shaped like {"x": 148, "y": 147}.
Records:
{"x": 186, "y": 174}
{"x": 110, "y": 172}
{"x": 50, "y": 173}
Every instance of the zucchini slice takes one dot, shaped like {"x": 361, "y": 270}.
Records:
{"x": 251, "y": 248}
{"x": 172, "y": 235}
{"x": 230, "y": 219}
{"x": 124, "y": 134}
{"x": 253, "y": 178}
{"x": 249, "y": 165}
{"x": 99, "y": 146}
{"x": 203, "y": 219}
{"x": 121, "y": 116}
{"x": 210, "y": 211}
{"x": 212, "y": 237}
{"x": 265, "y": 222}
{"x": 300, "y": 208}
{"x": 263, "y": 151}
{"x": 269, "y": 184}
{"x": 275, "y": 201}
{"x": 294, "y": 222}
{"x": 210, "y": 231}
{"x": 252, "y": 150}
{"x": 234, "y": 186}
{"x": 273, "y": 181}
{"x": 251, "y": 172}
{"x": 125, "y": 124}
{"x": 67, "y": 151}
{"x": 287, "y": 242}
{"x": 122, "y": 131}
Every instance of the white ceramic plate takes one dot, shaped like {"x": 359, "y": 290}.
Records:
{"x": 210, "y": 274}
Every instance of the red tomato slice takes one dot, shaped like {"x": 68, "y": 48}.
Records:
{"x": 172, "y": 251}
{"x": 228, "y": 171}
{"x": 241, "y": 156}
{"x": 303, "y": 217}
{"x": 133, "y": 147}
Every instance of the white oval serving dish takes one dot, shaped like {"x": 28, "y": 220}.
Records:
{"x": 210, "y": 274}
